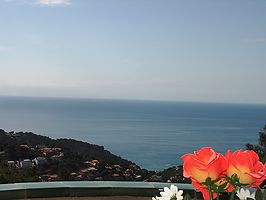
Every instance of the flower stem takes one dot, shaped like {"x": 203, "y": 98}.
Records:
{"x": 232, "y": 196}
{"x": 210, "y": 192}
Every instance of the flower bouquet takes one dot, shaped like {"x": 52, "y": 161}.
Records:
{"x": 214, "y": 174}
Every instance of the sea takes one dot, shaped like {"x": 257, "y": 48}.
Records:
{"x": 152, "y": 134}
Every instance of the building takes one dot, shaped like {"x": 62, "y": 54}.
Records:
{"x": 40, "y": 161}
{"x": 26, "y": 163}
{"x": 51, "y": 151}
{"x": 11, "y": 163}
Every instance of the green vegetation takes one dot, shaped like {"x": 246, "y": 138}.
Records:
{"x": 260, "y": 149}
{"x": 13, "y": 175}
{"x": 28, "y": 157}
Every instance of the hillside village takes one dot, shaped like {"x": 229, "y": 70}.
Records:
{"x": 40, "y": 158}
{"x": 89, "y": 170}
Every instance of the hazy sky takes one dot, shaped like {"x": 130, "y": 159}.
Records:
{"x": 134, "y": 49}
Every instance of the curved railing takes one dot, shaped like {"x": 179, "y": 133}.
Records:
{"x": 84, "y": 189}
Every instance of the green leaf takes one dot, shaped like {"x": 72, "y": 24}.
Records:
{"x": 208, "y": 181}
{"x": 187, "y": 197}
{"x": 263, "y": 191}
{"x": 222, "y": 187}
{"x": 259, "y": 194}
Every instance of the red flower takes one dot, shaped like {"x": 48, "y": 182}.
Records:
{"x": 246, "y": 166}
{"x": 203, "y": 164}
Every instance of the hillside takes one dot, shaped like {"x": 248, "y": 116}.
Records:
{"x": 26, "y": 156}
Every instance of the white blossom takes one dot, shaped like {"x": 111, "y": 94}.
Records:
{"x": 243, "y": 194}
{"x": 171, "y": 193}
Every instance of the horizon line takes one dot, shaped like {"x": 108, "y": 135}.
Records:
{"x": 127, "y": 99}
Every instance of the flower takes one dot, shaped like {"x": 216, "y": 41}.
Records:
{"x": 243, "y": 194}
{"x": 203, "y": 164}
{"x": 170, "y": 194}
{"x": 246, "y": 165}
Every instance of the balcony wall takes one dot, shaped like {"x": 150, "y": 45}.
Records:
{"x": 85, "y": 189}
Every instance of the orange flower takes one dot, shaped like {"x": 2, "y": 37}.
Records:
{"x": 246, "y": 166}
{"x": 203, "y": 164}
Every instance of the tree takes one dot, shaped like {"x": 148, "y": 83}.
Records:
{"x": 260, "y": 149}
{"x": 64, "y": 174}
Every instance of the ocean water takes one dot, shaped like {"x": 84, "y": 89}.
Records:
{"x": 152, "y": 134}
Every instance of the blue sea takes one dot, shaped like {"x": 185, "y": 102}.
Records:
{"x": 152, "y": 134}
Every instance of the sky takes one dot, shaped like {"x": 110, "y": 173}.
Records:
{"x": 174, "y": 50}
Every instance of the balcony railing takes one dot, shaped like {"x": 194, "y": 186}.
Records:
{"x": 85, "y": 189}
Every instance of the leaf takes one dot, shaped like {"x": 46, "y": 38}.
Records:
{"x": 208, "y": 181}
{"x": 222, "y": 187}
{"x": 259, "y": 194}
{"x": 187, "y": 197}
{"x": 264, "y": 194}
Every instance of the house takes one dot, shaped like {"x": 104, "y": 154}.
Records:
{"x": 26, "y": 163}
{"x": 11, "y": 163}
{"x": 53, "y": 177}
{"x": 57, "y": 157}
{"x": 40, "y": 161}
{"x": 91, "y": 169}
{"x": 51, "y": 151}
{"x": 24, "y": 146}
{"x": 94, "y": 162}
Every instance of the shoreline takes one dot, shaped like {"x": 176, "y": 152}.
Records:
{"x": 30, "y": 157}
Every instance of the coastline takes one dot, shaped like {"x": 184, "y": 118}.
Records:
{"x": 31, "y": 157}
{"x": 141, "y": 131}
